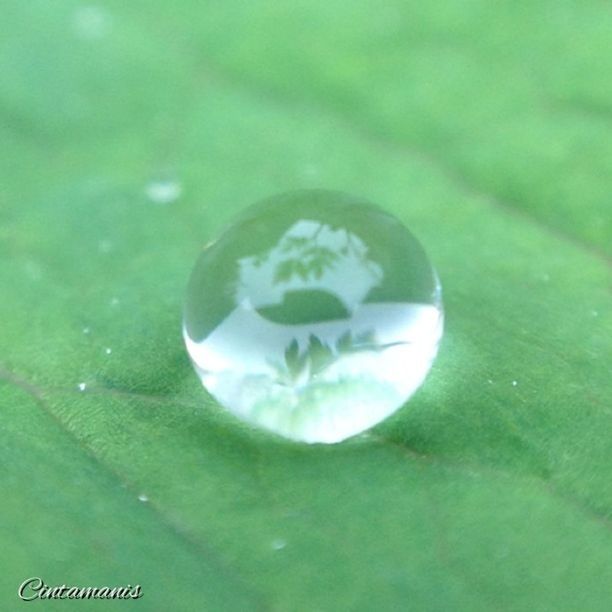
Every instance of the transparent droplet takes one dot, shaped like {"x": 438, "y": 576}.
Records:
{"x": 105, "y": 246}
{"x": 91, "y": 22}
{"x": 164, "y": 191}
{"x": 278, "y": 544}
{"x": 315, "y": 315}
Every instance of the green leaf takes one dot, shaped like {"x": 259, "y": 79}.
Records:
{"x": 484, "y": 126}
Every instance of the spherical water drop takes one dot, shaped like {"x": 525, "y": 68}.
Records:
{"x": 315, "y": 315}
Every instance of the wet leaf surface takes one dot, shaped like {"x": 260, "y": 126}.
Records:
{"x": 484, "y": 127}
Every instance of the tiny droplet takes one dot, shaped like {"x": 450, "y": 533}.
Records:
{"x": 90, "y": 22}
{"x": 105, "y": 246}
{"x": 164, "y": 192}
{"x": 278, "y": 544}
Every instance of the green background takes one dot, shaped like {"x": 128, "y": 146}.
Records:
{"x": 486, "y": 127}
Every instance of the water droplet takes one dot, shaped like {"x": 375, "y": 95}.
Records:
{"x": 91, "y": 22}
{"x": 310, "y": 171}
{"x": 82, "y": 386}
{"x": 315, "y": 315}
{"x": 278, "y": 544}
{"x": 143, "y": 498}
{"x": 164, "y": 192}
{"x": 86, "y": 330}
{"x": 105, "y": 246}
{"x": 514, "y": 383}
{"x": 503, "y": 552}
{"x": 108, "y": 351}
{"x": 33, "y": 270}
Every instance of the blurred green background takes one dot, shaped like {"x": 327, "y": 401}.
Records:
{"x": 132, "y": 131}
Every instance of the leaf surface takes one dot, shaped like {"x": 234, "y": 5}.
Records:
{"x": 492, "y": 487}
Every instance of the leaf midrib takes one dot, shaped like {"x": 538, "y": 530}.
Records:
{"x": 184, "y": 535}
{"x": 464, "y": 467}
